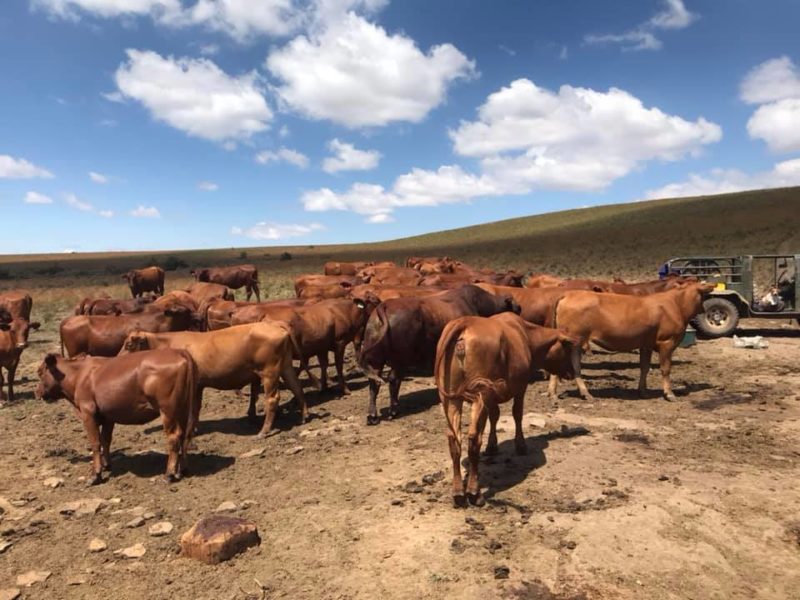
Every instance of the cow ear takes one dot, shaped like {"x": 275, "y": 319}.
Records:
{"x": 359, "y": 303}
{"x": 50, "y": 360}
{"x": 567, "y": 340}
{"x": 35, "y": 325}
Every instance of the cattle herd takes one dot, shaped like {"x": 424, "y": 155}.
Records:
{"x": 481, "y": 334}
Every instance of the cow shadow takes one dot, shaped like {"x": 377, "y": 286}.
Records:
{"x": 631, "y": 392}
{"x": 153, "y": 464}
{"x": 507, "y": 469}
{"x": 619, "y": 365}
{"x": 413, "y": 403}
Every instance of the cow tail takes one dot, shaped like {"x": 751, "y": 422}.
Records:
{"x": 380, "y": 314}
{"x": 455, "y": 345}
{"x": 554, "y": 317}
{"x": 190, "y": 387}
{"x": 449, "y": 343}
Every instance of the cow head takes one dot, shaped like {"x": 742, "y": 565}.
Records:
{"x": 183, "y": 318}
{"x": 135, "y": 342}
{"x": 200, "y": 274}
{"x": 20, "y": 330}
{"x": 558, "y": 360}
{"x": 50, "y": 379}
{"x": 366, "y": 301}
{"x": 510, "y": 305}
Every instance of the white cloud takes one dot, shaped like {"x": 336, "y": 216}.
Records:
{"x": 380, "y": 218}
{"x": 775, "y": 85}
{"x": 114, "y": 97}
{"x": 147, "y": 212}
{"x": 642, "y": 37}
{"x": 349, "y": 158}
{"x": 19, "y": 168}
{"x": 77, "y": 203}
{"x": 354, "y": 73}
{"x": 195, "y": 95}
{"x": 528, "y": 138}
{"x": 106, "y": 213}
{"x": 288, "y": 155}
{"x": 266, "y": 230}
{"x": 108, "y": 123}
{"x": 284, "y": 132}
{"x": 74, "y": 9}
{"x": 243, "y": 19}
{"x": 207, "y": 186}
{"x": 209, "y": 49}
{"x": 98, "y": 177}
{"x": 37, "y": 198}
{"x": 720, "y": 181}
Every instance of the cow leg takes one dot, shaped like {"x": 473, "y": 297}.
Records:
{"x": 175, "y": 437}
{"x": 576, "y": 366}
{"x": 251, "y": 409}
{"x": 322, "y": 359}
{"x": 338, "y": 359}
{"x": 290, "y": 379}
{"x": 372, "y": 413}
{"x": 552, "y": 388}
{"x": 394, "y": 395}
{"x": 452, "y": 412}
{"x": 665, "y": 360}
{"x": 2, "y": 384}
{"x": 271, "y": 397}
{"x": 304, "y": 367}
{"x": 105, "y": 443}
{"x": 494, "y": 414}
{"x": 519, "y": 438}
{"x": 476, "y": 427}
{"x": 645, "y": 354}
{"x": 12, "y": 371}
{"x": 257, "y": 292}
{"x": 93, "y": 433}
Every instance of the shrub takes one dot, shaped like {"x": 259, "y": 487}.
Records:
{"x": 173, "y": 263}
{"x": 242, "y": 254}
{"x": 286, "y": 256}
{"x": 5, "y": 274}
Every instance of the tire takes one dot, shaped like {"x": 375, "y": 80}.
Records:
{"x": 719, "y": 319}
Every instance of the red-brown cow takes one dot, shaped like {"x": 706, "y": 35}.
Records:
{"x": 488, "y": 362}
{"x": 304, "y": 281}
{"x": 540, "y": 280}
{"x": 18, "y": 304}
{"x": 150, "y": 279}
{"x": 13, "y": 340}
{"x": 394, "y": 276}
{"x": 239, "y": 276}
{"x": 111, "y": 306}
{"x": 129, "y": 390}
{"x": 635, "y": 289}
{"x": 345, "y": 268}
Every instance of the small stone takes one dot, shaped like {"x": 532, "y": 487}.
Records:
{"x": 138, "y": 511}
{"x": 53, "y": 482}
{"x": 80, "y": 508}
{"x": 537, "y": 422}
{"x": 135, "y": 551}
{"x": 253, "y": 452}
{"x": 159, "y": 529}
{"x": 412, "y": 487}
{"x": 5, "y": 545}
{"x": 396, "y": 502}
{"x": 149, "y": 516}
{"x": 493, "y": 546}
{"x": 477, "y": 525}
{"x": 457, "y": 546}
{"x": 9, "y": 594}
{"x": 501, "y": 572}
{"x": 135, "y": 522}
{"x": 32, "y": 577}
{"x": 217, "y": 538}
{"x": 432, "y": 478}
{"x": 294, "y": 450}
{"x": 569, "y": 545}
{"x": 114, "y": 500}
{"x": 226, "y": 506}
{"x": 76, "y": 580}
{"x": 663, "y": 477}
{"x": 97, "y": 545}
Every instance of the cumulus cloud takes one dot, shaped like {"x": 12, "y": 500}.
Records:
{"x": 195, "y": 95}
{"x": 293, "y": 157}
{"x": 146, "y": 212}
{"x": 643, "y": 37}
{"x": 19, "y": 168}
{"x": 98, "y": 177}
{"x": 354, "y": 73}
{"x": 37, "y": 198}
{"x": 775, "y": 85}
{"x": 77, "y": 203}
{"x": 207, "y": 186}
{"x": 106, "y": 213}
{"x": 266, "y": 230}
{"x": 721, "y": 181}
{"x": 349, "y": 158}
{"x": 75, "y": 9}
{"x": 527, "y": 138}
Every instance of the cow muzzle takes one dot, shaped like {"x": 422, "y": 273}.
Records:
{"x": 22, "y": 345}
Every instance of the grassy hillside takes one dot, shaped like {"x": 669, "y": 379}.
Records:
{"x": 627, "y": 239}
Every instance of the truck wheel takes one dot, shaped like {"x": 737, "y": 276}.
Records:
{"x": 719, "y": 319}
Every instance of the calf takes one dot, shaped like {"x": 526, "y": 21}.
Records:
{"x": 150, "y": 279}
{"x": 104, "y": 335}
{"x": 130, "y": 390}
{"x": 13, "y": 340}
{"x": 17, "y": 303}
{"x": 239, "y": 276}
{"x": 402, "y": 334}
{"x": 621, "y": 323}
{"x": 488, "y": 362}
{"x": 232, "y": 358}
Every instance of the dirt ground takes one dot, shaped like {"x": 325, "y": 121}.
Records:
{"x": 694, "y": 499}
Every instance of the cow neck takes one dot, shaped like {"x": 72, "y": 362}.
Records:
{"x": 686, "y": 301}
{"x": 71, "y": 369}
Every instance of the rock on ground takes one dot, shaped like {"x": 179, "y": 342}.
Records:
{"x": 217, "y": 538}
{"x": 159, "y": 529}
{"x": 32, "y": 577}
{"x": 9, "y": 594}
{"x": 135, "y": 551}
{"x": 97, "y": 545}
{"x": 80, "y": 508}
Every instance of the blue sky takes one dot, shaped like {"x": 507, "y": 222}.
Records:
{"x": 165, "y": 124}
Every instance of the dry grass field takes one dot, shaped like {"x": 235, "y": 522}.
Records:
{"x": 693, "y": 499}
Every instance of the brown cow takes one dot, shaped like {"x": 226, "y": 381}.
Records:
{"x": 402, "y": 333}
{"x": 188, "y": 300}
{"x": 540, "y": 280}
{"x": 385, "y": 292}
{"x": 635, "y": 289}
{"x": 239, "y": 276}
{"x": 536, "y": 304}
{"x": 104, "y": 335}
{"x": 325, "y": 291}
{"x": 393, "y": 276}
{"x": 111, "y": 306}
{"x": 488, "y": 362}
{"x": 18, "y": 304}
{"x": 303, "y": 281}
{"x": 621, "y": 323}
{"x": 13, "y": 340}
{"x": 224, "y": 313}
{"x": 345, "y": 268}
{"x": 150, "y": 279}
{"x": 130, "y": 390}
{"x": 229, "y": 359}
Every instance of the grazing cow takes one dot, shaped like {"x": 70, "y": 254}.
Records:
{"x": 488, "y": 362}
{"x": 104, "y": 335}
{"x": 394, "y": 276}
{"x": 402, "y": 333}
{"x": 129, "y": 390}
{"x": 240, "y": 276}
{"x": 345, "y": 268}
{"x": 150, "y": 279}
{"x": 13, "y": 340}
{"x": 328, "y": 326}
{"x": 218, "y": 313}
{"x": 17, "y": 304}
{"x": 303, "y": 281}
{"x": 540, "y": 280}
{"x": 186, "y": 299}
{"x": 229, "y": 359}
{"x": 622, "y": 323}
{"x": 110, "y": 306}
{"x": 635, "y": 289}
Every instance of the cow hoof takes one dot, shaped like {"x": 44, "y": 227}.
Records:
{"x": 393, "y": 413}
{"x": 670, "y": 398}
{"x": 476, "y": 499}
{"x": 94, "y": 480}
{"x": 373, "y": 420}
{"x": 460, "y": 501}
